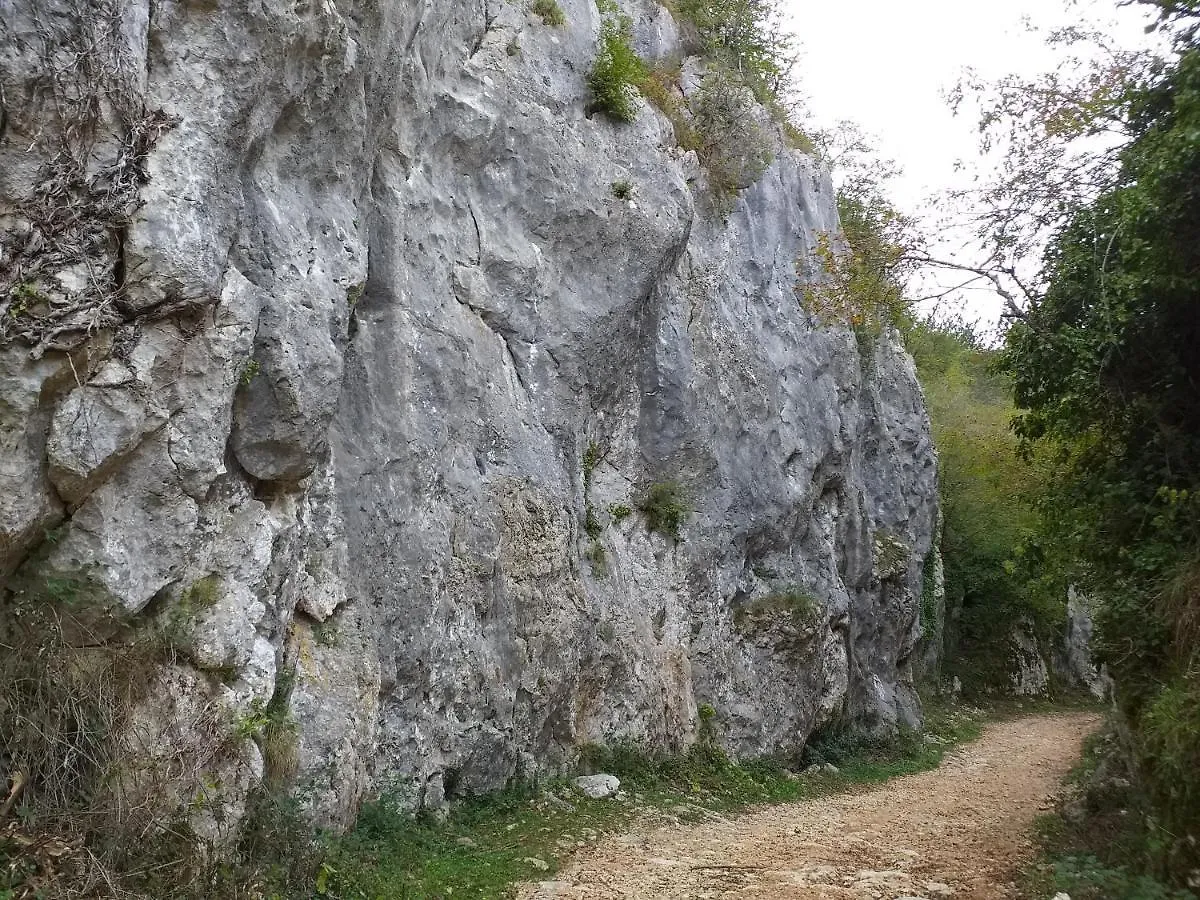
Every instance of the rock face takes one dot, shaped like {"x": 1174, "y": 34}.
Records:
{"x": 378, "y": 372}
{"x": 1029, "y": 677}
{"x": 1073, "y": 659}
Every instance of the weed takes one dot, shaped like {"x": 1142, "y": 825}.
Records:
{"x": 666, "y": 508}
{"x": 202, "y": 595}
{"x": 1107, "y": 848}
{"x": 619, "y": 512}
{"x": 355, "y": 293}
{"x": 797, "y": 139}
{"x": 591, "y": 524}
{"x": 660, "y": 86}
{"x": 549, "y": 12}
{"x": 617, "y": 70}
{"x": 796, "y": 603}
{"x": 623, "y": 189}
{"x": 250, "y": 372}
{"x": 734, "y": 147}
{"x": 591, "y": 458}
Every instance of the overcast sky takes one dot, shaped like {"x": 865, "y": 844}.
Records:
{"x": 887, "y": 65}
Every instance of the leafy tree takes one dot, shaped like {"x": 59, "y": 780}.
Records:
{"x": 986, "y": 494}
{"x": 1106, "y": 366}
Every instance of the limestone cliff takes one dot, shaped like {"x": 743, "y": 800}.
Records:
{"x": 322, "y": 323}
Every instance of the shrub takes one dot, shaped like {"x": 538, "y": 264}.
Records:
{"x": 617, "y": 70}
{"x": 549, "y": 12}
{"x": 744, "y": 36}
{"x": 666, "y": 508}
{"x": 622, "y": 189}
{"x": 861, "y": 272}
{"x": 733, "y": 146}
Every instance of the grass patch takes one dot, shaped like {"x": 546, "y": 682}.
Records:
{"x": 549, "y": 12}
{"x": 1101, "y": 843}
{"x": 488, "y": 843}
{"x": 528, "y": 831}
{"x": 795, "y": 602}
{"x": 666, "y": 508}
{"x": 864, "y": 760}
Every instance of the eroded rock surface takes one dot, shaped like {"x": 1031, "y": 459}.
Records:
{"x": 389, "y": 371}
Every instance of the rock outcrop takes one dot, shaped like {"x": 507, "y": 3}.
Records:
{"x": 353, "y": 368}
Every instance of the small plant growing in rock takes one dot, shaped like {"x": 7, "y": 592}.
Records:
{"x": 591, "y": 524}
{"x": 591, "y": 458}
{"x": 623, "y": 189}
{"x": 252, "y": 370}
{"x": 325, "y": 634}
{"x": 549, "y": 12}
{"x": 666, "y": 508}
{"x": 617, "y": 70}
{"x": 795, "y": 602}
{"x": 708, "y": 715}
{"x": 619, "y": 512}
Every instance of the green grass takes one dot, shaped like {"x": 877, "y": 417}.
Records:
{"x": 666, "y": 508}
{"x": 1107, "y": 853}
{"x": 489, "y": 843}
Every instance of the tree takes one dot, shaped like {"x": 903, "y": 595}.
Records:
{"x": 1106, "y": 369}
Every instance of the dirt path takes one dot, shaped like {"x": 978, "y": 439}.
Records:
{"x": 957, "y": 831}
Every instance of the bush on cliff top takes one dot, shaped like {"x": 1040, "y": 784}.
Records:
{"x": 617, "y": 69}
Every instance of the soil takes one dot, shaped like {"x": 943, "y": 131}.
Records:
{"x": 961, "y": 831}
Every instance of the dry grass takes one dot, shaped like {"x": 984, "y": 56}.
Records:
{"x": 94, "y": 140}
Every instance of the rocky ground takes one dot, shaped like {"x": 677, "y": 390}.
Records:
{"x": 959, "y": 831}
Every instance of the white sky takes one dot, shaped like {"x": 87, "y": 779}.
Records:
{"x": 887, "y": 65}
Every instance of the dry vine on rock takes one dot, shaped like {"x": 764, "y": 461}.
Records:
{"x": 61, "y": 267}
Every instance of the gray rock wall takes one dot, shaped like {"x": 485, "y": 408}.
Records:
{"x": 365, "y": 338}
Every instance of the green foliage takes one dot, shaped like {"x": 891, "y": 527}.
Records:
{"x": 743, "y": 37}
{"x": 549, "y": 12}
{"x": 598, "y": 557}
{"x": 1105, "y": 369}
{"x": 1100, "y": 850}
{"x": 931, "y": 615}
{"x": 591, "y": 458}
{"x": 796, "y": 603}
{"x": 591, "y": 524}
{"x": 865, "y": 760}
{"x": 617, "y": 70}
{"x": 732, "y": 142}
{"x": 857, "y": 278}
{"x": 249, "y": 373}
{"x": 619, "y": 512}
{"x": 623, "y": 189}
{"x": 987, "y": 494}
{"x": 666, "y": 508}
